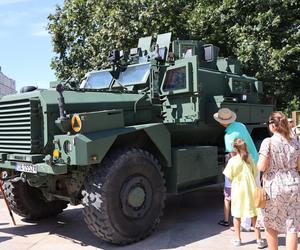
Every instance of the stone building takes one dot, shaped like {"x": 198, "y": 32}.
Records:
{"x": 7, "y": 85}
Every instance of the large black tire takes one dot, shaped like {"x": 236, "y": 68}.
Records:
{"x": 124, "y": 198}
{"x": 29, "y": 202}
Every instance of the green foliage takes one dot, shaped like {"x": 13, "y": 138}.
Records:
{"x": 84, "y": 31}
{"x": 292, "y": 105}
{"x": 263, "y": 34}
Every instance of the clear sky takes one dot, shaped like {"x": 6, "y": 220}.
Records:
{"x": 25, "y": 45}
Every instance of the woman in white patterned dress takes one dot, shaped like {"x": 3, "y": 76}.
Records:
{"x": 279, "y": 159}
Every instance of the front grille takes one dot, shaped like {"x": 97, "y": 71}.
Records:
{"x": 16, "y": 122}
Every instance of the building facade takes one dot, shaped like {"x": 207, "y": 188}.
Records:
{"x": 7, "y": 85}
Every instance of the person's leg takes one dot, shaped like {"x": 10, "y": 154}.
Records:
{"x": 291, "y": 241}
{"x": 261, "y": 243}
{"x": 272, "y": 239}
{"x": 237, "y": 228}
{"x": 257, "y": 230}
{"x": 226, "y": 209}
{"x": 227, "y": 200}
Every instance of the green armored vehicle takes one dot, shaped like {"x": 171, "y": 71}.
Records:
{"x": 125, "y": 138}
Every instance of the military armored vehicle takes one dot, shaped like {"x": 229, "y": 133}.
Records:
{"x": 129, "y": 135}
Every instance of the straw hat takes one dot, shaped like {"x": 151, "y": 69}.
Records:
{"x": 225, "y": 116}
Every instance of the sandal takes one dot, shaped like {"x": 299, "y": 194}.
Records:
{"x": 223, "y": 223}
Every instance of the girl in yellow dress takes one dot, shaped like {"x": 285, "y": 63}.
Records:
{"x": 241, "y": 171}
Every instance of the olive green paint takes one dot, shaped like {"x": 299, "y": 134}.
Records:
{"x": 85, "y": 146}
{"x": 171, "y": 111}
{"x": 194, "y": 165}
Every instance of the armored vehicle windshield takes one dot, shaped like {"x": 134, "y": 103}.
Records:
{"x": 96, "y": 80}
{"x": 132, "y": 75}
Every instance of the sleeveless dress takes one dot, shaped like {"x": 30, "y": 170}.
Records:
{"x": 282, "y": 184}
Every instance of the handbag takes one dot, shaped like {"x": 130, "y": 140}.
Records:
{"x": 260, "y": 195}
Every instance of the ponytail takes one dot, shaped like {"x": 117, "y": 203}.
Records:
{"x": 281, "y": 124}
{"x": 242, "y": 150}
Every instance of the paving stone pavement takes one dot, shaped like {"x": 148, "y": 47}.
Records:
{"x": 189, "y": 222}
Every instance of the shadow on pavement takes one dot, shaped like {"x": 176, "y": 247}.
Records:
{"x": 5, "y": 238}
{"x": 188, "y": 218}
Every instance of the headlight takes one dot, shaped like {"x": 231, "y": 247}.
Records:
{"x": 67, "y": 147}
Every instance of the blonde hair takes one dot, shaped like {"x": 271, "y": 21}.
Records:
{"x": 241, "y": 149}
{"x": 281, "y": 124}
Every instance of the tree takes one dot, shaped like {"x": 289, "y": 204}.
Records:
{"x": 264, "y": 35}
{"x": 84, "y": 31}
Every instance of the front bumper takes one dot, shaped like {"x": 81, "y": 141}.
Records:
{"x": 41, "y": 167}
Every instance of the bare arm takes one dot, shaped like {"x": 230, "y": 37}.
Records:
{"x": 263, "y": 163}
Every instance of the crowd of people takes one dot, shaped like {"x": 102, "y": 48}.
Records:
{"x": 276, "y": 165}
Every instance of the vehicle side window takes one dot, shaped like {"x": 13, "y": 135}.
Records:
{"x": 175, "y": 79}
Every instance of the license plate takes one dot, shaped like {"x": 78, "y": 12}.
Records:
{"x": 26, "y": 167}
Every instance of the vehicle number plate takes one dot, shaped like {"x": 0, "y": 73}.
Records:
{"x": 26, "y": 167}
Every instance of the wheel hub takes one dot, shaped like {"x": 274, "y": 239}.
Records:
{"x": 136, "y": 196}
